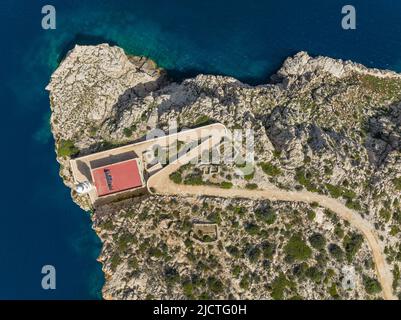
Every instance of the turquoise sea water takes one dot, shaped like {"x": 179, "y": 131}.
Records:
{"x": 246, "y": 39}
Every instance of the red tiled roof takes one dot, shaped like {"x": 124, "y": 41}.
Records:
{"x": 117, "y": 177}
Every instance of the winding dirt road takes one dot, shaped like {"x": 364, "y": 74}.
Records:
{"x": 160, "y": 183}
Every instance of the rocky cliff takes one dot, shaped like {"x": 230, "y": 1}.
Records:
{"x": 325, "y": 125}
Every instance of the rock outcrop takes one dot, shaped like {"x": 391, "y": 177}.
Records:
{"x": 326, "y": 125}
{"x": 94, "y": 85}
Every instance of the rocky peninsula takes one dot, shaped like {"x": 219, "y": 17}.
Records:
{"x": 321, "y": 125}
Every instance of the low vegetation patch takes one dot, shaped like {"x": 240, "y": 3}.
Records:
{"x": 66, "y": 148}
{"x": 251, "y": 186}
{"x": 176, "y": 177}
{"x": 297, "y": 249}
{"x": 352, "y": 243}
{"x": 397, "y": 183}
{"x": 226, "y": 185}
{"x": 317, "y": 241}
{"x": 270, "y": 169}
{"x": 304, "y": 179}
{"x": 372, "y": 286}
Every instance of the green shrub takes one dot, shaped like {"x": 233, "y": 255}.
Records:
{"x": 244, "y": 283}
{"x": 348, "y": 194}
{"x": 236, "y": 271}
{"x": 396, "y": 276}
{"x": 270, "y": 169}
{"x": 328, "y": 171}
{"x": 311, "y": 215}
{"x": 385, "y": 214}
{"x": 352, "y": 243}
{"x": 268, "y": 250}
{"x": 66, "y": 148}
{"x": 252, "y": 228}
{"x": 397, "y": 183}
{"x": 338, "y": 231}
{"x": 303, "y": 179}
{"x": 171, "y": 276}
{"x": 203, "y": 120}
{"x": 187, "y": 288}
{"x": 133, "y": 263}
{"x": 354, "y": 205}
{"x": 214, "y": 217}
{"x": 176, "y": 177}
{"x": 279, "y": 284}
{"x": 266, "y": 215}
{"x": 107, "y": 225}
{"x": 155, "y": 252}
{"x": 115, "y": 261}
{"x": 372, "y": 286}
{"x": 249, "y": 176}
{"x": 124, "y": 241}
{"x": 193, "y": 179}
{"x": 276, "y": 153}
{"x": 233, "y": 251}
{"x": 317, "y": 241}
{"x": 127, "y": 132}
{"x": 336, "y": 252}
{"x": 215, "y": 285}
{"x": 335, "y": 191}
{"x": 297, "y": 249}
{"x": 333, "y": 291}
{"x": 314, "y": 274}
{"x": 253, "y": 254}
{"x": 331, "y": 215}
{"x": 251, "y": 186}
{"x": 226, "y": 185}
{"x": 394, "y": 230}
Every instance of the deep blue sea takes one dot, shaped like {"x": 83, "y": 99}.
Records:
{"x": 39, "y": 224}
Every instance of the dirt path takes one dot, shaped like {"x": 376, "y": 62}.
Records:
{"x": 160, "y": 183}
